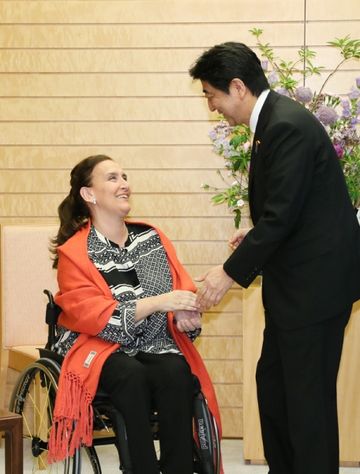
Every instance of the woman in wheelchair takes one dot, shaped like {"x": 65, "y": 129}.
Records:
{"x": 129, "y": 316}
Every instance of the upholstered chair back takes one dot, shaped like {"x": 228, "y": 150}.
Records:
{"x": 26, "y": 270}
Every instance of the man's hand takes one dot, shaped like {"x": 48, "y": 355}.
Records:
{"x": 216, "y": 283}
{"x": 238, "y": 236}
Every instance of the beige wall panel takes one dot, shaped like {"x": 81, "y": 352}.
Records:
{"x": 102, "y": 84}
{"x": 347, "y": 383}
{"x": 201, "y": 228}
{"x": 108, "y": 60}
{"x": 175, "y": 205}
{"x": 329, "y": 57}
{"x": 220, "y": 347}
{"x": 225, "y": 371}
{"x": 28, "y": 220}
{"x": 162, "y": 11}
{"x": 30, "y": 181}
{"x": 130, "y": 157}
{"x": 198, "y": 252}
{"x": 348, "y": 390}
{"x": 232, "y": 423}
{"x": 325, "y": 10}
{"x": 197, "y": 270}
{"x": 141, "y": 181}
{"x": 144, "y": 205}
{"x": 102, "y": 109}
{"x": 221, "y": 324}
{"x": 134, "y": 60}
{"x": 340, "y": 83}
{"x": 125, "y": 133}
{"x": 229, "y": 395}
{"x": 143, "y": 36}
{"x": 318, "y": 32}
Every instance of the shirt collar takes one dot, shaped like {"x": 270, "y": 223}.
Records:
{"x": 254, "y": 117}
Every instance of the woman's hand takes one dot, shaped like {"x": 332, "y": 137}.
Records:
{"x": 177, "y": 300}
{"x": 187, "y": 320}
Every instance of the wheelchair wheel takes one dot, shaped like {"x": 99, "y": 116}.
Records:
{"x": 33, "y": 397}
{"x": 207, "y": 459}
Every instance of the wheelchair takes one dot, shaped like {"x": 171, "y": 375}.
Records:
{"x": 34, "y": 395}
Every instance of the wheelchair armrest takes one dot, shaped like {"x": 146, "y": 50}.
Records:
{"x": 52, "y": 309}
{"x": 52, "y": 314}
{"x": 51, "y": 355}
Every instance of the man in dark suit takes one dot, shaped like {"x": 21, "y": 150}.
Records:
{"x": 305, "y": 242}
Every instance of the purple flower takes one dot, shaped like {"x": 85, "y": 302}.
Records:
{"x": 326, "y": 115}
{"x": 303, "y": 94}
{"x": 283, "y": 91}
{"x": 273, "y": 78}
{"x": 354, "y": 94}
{"x": 264, "y": 64}
{"x": 339, "y": 150}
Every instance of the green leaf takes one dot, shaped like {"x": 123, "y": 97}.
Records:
{"x": 256, "y": 32}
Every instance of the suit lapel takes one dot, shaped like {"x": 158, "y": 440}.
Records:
{"x": 264, "y": 118}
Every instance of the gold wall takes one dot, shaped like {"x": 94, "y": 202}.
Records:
{"x": 85, "y": 77}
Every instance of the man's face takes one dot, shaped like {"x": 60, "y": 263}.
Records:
{"x": 232, "y": 105}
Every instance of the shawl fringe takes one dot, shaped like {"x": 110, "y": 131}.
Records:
{"x": 73, "y": 420}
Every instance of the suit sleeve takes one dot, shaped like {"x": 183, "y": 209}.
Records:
{"x": 288, "y": 167}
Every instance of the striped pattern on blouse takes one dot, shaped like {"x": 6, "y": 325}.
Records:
{"x": 138, "y": 270}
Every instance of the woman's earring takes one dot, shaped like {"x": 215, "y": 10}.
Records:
{"x": 94, "y": 200}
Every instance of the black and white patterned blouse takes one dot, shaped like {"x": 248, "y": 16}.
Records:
{"x": 138, "y": 270}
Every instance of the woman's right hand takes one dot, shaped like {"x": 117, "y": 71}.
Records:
{"x": 178, "y": 300}
{"x": 187, "y": 320}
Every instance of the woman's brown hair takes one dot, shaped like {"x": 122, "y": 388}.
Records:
{"x": 73, "y": 211}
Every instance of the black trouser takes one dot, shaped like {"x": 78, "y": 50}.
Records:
{"x": 296, "y": 382}
{"x": 135, "y": 384}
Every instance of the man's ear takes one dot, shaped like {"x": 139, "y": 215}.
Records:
{"x": 239, "y": 86}
{"x": 87, "y": 194}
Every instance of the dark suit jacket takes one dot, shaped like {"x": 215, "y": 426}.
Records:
{"x": 306, "y": 239}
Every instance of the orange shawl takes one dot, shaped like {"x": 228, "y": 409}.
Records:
{"x": 87, "y": 305}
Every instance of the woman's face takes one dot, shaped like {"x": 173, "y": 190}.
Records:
{"x": 110, "y": 189}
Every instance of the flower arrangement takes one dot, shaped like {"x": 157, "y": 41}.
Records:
{"x": 339, "y": 116}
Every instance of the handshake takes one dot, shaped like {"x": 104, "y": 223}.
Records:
{"x": 214, "y": 284}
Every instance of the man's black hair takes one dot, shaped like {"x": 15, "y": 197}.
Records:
{"x": 222, "y": 63}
